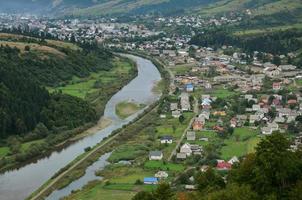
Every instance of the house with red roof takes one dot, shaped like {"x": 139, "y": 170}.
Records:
{"x": 223, "y": 165}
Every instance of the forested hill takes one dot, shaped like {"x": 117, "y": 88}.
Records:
{"x": 264, "y": 8}
{"x": 24, "y": 101}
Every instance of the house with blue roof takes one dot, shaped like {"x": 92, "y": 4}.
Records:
{"x": 150, "y": 180}
{"x": 189, "y": 87}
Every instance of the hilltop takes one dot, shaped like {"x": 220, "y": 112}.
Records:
{"x": 269, "y": 9}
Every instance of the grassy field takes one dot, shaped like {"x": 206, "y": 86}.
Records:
{"x": 82, "y": 87}
{"x": 222, "y": 93}
{"x": 126, "y": 109}
{"x": 98, "y": 192}
{"x": 260, "y": 9}
{"x": 25, "y": 146}
{"x": 181, "y": 69}
{"x": 127, "y": 152}
{"x": 160, "y": 165}
{"x": 243, "y": 141}
{"x": 56, "y": 43}
{"x": 4, "y": 151}
{"x": 266, "y": 30}
{"x": 33, "y": 47}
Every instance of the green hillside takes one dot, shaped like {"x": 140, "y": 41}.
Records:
{"x": 288, "y": 8}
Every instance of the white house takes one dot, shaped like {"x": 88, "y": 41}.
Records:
{"x": 155, "y": 155}
{"x": 233, "y": 160}
{"x": 161, "y": 174}
{"x": 186, "y": 149}
{"x": 176, "y": 113}
{"x": 167, "y": 139}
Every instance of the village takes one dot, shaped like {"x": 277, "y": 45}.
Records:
{"x": 222, "y": 101}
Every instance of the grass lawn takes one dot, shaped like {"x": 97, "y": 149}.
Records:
{"x": 4, "y": 151}
{"x": 181, "y": 69}
{"x": 25, "y": 146}
{"x": 127, "y": 152}
{"x": 125, "y": 109}
{"x": 98, "y": 192}
{"x": 132, "y": 177}
{"x": 34, "y": 47}
{"x": 211, "y": 135}
{"x": 222, "y": 93}
{"x": 233, "y": 148}
{"x": 159, "y": 165}
{"x": 81, "y": 87}
{"x": 252, "y": 144}
{"x": 243, "y": 141}
{"x": 244, "y": 133}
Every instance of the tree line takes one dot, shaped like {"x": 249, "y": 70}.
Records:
{"x": 273, "y": 172}
{"x": 24, "y": 100}
{"x": 277, "y": 42}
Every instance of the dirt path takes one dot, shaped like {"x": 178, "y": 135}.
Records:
{"x": 195, "y": 109}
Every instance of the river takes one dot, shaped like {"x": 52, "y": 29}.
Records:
{"x": 20, "y": 183}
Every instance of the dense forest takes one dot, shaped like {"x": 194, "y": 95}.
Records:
{"x": 24, "y": 102}
{"x": 278, "y": 42}
{"x": 273, "y": 172}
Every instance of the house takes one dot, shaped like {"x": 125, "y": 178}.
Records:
{"x": 204, "y": 168}
{"x": 270, "y": 128}
{"x": 271, "y": 72}
{"x": 162, "y": 116}
{"x": 155, "y": 155}
{"x": 292, "y": 102}
{"x": 254, "y": 118}
{"x": 181, "y": 156}
{"x": 191, "y": 136}
{"x": 197, "y": 125}
{"x": 185, "y": 102}
{"x": 150, "y": 180}
{"x": 190, "y": 187}
{"x": 173, "y": 106}
{"x": 222, "y": 165}
{"x": 241, "y": 119}
{"x": 176, "y": 113}
{"x": 266, "y": 131}
{"x": 279, "y": 119}
{"x": 196, "y": 149}
{"x": 167, "y": 139}
{"x": 233, "y": 160}
{"x": 233, "y": 122}
{"x": 287, "y": 67}
{"x": 161, "y": 174}
{"x": 189, "y": 88}
{"x": 219, "y": 113}
{"x": 256, "y": 107}
{"x": 276, "y": 86}
{"x": 218, "y": 128}
{"x": 204, "y": 139}
{"x": 205, "y": 114}
{"x": 186, "y": 149}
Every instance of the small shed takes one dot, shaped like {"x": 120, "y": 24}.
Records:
{"x": 150, "y": 180}
{"x": 191, "y": 136}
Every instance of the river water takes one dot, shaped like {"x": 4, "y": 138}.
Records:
{"x": 20, "y": 183}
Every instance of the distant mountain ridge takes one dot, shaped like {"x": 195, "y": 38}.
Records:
{"x": 131, "y": 7}
{"x": 99, "y": 7}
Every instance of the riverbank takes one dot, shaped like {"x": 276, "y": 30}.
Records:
{"x": 76, "y": 172}
{"x": 97, "y": 89}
